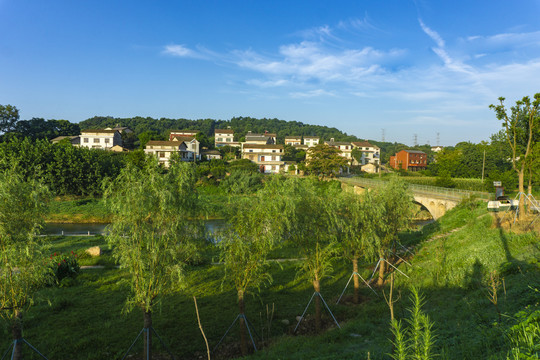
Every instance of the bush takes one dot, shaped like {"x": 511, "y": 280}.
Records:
{"x": 64, "y": 267}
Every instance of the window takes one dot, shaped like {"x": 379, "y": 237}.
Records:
{"x": 96, "y": 140}
{"x": 85, "y": 140}
{"x": 162, "y": 154}
{"x": 219, "y": 139}
{"x": 250, "y": 150}
{"x": 106, "y": 141}
{"x": 229, "y": 140}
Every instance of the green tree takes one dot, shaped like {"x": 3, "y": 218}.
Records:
{"x": 520, "y": 128}
{"x": 23, "y": 267}
{"x": 324, "y": 160}
{"x": 246, "y": 242}
{"x": 9, "y": 115}
{"x": 306, "y": 208}
{"x": 356, "y": 217}
{"x": 397, "y": 209}
{"x": 153, "y": 232}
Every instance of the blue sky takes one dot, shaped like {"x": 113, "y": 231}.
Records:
{"x": 408, "y": 67}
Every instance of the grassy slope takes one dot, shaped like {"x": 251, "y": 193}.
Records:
{"x": 85, "y": 321}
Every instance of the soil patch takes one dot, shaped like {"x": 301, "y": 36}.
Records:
{"x": 505, "y": 221}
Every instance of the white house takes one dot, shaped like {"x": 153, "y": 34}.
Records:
{"x": 260, "y": 139}
{"x": 192, "y": 144}
{"x": 163, "y": 150}
{"x": 223, "y": 137}
{"x": 100, "y": 139}
{"x": 311, "y": 141}
{"x": 344, "y": 147}
{"x": 267, "y": 156}
{"x": 211, "y": 154}
{"x": 181, "y": 133}
{"x": 293, "y": 140}
{"x": 371, "y": 154}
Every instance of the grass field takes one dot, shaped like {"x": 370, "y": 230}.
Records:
{"x": 85, "y": 321}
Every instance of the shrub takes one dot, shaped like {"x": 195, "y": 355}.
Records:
{"x": 64, "y": 266}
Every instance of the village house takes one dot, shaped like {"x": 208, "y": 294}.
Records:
{"x": 188, "y": 137}
{"x": 74, "y": 140}
{"x": 100, "y": 139}
{"x": 311, "y": 141}
{"x": 267, "y": 156}
{"x": 293, "y": 140}
{"x": 371, "y": 154}
{"x": 223, "y": 137}
{"x": 344, "y": 147}
{"x": 210, "y": 154}
{"x": 260, "y": 139}
{"x": 164, "y": 150}
{"x": 410, "y": 160}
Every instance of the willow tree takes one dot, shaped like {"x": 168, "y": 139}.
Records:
{"x": 246, "y": 242}
{"x": 153, "y": 231}
{"x": 23, "y": 269}
{"x": 311, "y": 228}
{"x": 521, "y": 130}
{"x": 356, "y": 220}
{"x": 396, "y": 211}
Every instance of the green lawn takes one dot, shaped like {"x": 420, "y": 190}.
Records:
{"x": 85, "y": 321}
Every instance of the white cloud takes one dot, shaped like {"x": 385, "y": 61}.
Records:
{"x": 311, "y": 93}
{"x": 179, "y": 51}
{"x": 432, "y": 34}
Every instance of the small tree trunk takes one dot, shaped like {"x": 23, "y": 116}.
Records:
{"x": 521, "y": 176}
{"x": 147, "y": 335}
{"x": 382, "y": 270}
{"x": 529, "y": 188}
{"x": 16, "y": 332}
{"x": 391, "y": 300}
{"x": 317, "y": 287}
{"x": 356, "y": 280}
{"x": 243, "y": 330}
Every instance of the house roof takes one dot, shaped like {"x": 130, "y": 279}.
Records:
{"x": 184, "y": 131}
{"x": 311, "y": 137}
{"x": 164, "y": 143}
{"x": 223, "y": 131}
{"x": 257, "y": 146}
{"x": 364, "y": 144}
{"x": 59, "y": 138}
{"x": 414, "y": 151}
{"x": 210, "y": 152}
{"x": 177, "y": 138}
{"x": 98, "y": 131}
{"x": 293, "y": 137}
{"x": 337, "y": 143}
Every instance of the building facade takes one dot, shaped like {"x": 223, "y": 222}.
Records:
{"x": 410, "y": 160}
{"x": 223, "y": 137}
{"x": 163, "y": 151}
{"x": 311, "y": 141}
{"x": 100, "y": 139}
{"x": 267, "y": 156}
{"x": 371, "y": 154}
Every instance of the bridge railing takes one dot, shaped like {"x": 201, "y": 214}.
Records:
{"x": 445, "y": 193}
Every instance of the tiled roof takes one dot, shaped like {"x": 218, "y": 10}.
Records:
{"x": 257, "y": 146}
{"x": 337, "y": 143}
{"x": 415, "y": 152}
{"x": 223, "y": 131}
{"x": 364, "y": 144}
{"x": 98, "y": 131}
{"x": 182, "y": 137}
{"x": 164, "y": 143}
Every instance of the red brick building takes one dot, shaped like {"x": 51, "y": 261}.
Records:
{"x": 410, "y": 160}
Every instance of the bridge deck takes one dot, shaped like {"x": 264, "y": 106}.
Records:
{"x": 425, "y": 190}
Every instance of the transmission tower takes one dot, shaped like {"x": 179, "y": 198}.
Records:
{"x": 415, "y": 139}
{"x": 438, "y": 139}
{"x": 383, "y": 133}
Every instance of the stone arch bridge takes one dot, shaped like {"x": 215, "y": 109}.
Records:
{"x": 436, "y": 200}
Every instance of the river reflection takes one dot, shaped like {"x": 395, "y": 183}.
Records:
{"x": 100, "y": 229}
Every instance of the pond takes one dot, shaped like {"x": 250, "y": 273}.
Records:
{"x": 100, "y": 229}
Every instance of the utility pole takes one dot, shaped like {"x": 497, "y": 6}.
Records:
{"x": 483, "y": 165}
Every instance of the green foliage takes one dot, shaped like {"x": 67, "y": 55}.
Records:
{"x": 63, "y": 266}
{"x": 525, "y": 335}
{"x": 65, "y": 169}
{"x": 417, "y": 341}
{"x": 8, "y": 117}
{"x": 24, "y": 269}
{"x": 445, "y": 180}
{"x": 325, "y": 160}
{"x": 152, "y": 233}
{"x": 242, "y": 182}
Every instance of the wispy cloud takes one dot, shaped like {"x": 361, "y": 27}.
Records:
{"x": 178, "y": 50}
{"x": 311, "y": 93}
